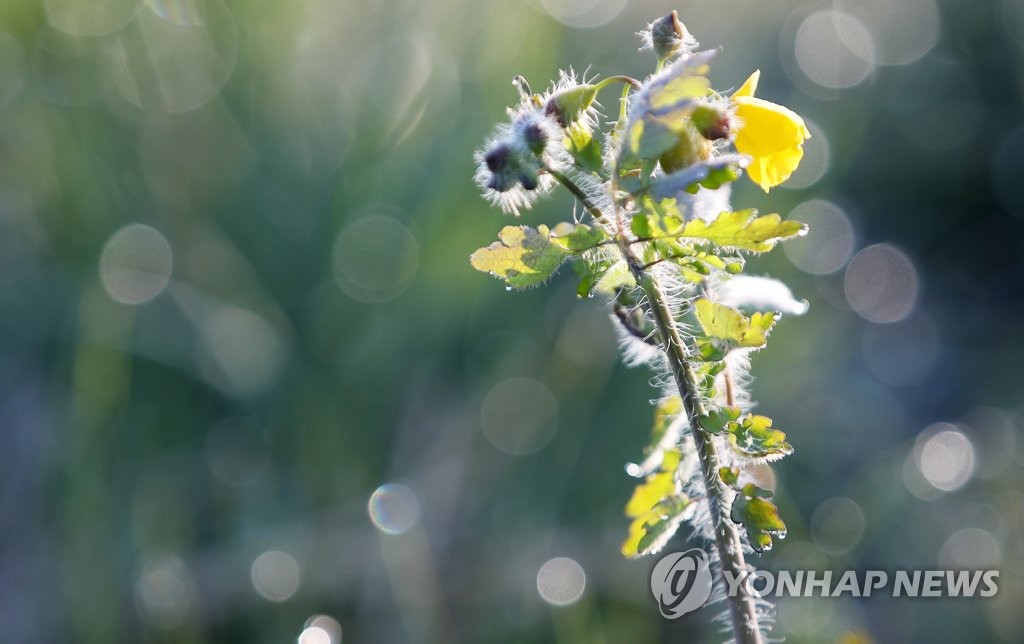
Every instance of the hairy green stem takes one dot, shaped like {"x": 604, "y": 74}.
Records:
{"x": 742, "y": 608}
{"x": 577, "y": 192}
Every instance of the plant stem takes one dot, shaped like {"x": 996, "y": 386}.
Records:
{"x": 619, "y": 78}
{"x": 742, "y": 609}
{"x": 577, "y": 192}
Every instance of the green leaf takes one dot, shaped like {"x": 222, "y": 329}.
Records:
{"x": 589, "y": 275}
{"x": 678, "y": 91}
{"x": 707, "y": 372}
{"x": 726, "y": 328}
{"x": 641, "y": 226}
{"x": 712, "y": 173}
{"x": 645, "y": 140}
{"x": 719, "y": 420}
{"x": 759, "y": 517}
{"x": 657, "y": 508}
{"x": 585, "y": 149}
{"x": 577, "y": 237}
{"x": 744, "y": 230}
{"x": 754, "y": 437}
{"x": 526, "y": 257}
{"x": 729, "y": 475}
{"x": 718, "y": 176}
{"x": 649, "y": 533}
{"x": 617, "y": 276}
{"x": 661, "y": 112}
{"x": 664, "y": 415}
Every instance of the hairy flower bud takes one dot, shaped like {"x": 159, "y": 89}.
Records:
{"x": 534, "y": 137}
{"x": 690, "y": 148}
{"x": 712, "y": 122}
{"x": 529, "y": 177}
{"x": 568, "y": 106}
{"x": 668, "y": 36}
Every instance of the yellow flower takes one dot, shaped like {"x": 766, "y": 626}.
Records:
{"x": 772, "y": 135}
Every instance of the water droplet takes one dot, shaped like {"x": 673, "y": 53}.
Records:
{"x": 634, "y": 470}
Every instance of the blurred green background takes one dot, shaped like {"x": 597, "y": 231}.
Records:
{"x": 251, "y": 390}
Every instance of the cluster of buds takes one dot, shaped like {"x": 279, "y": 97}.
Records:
{"x": 512, "y": 168}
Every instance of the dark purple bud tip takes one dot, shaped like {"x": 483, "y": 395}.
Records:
{"x": 529, "y": 179}
{"x": 534, "y": 137}
{"x": 497, "y": 158}
{"x": 501, "y": 183}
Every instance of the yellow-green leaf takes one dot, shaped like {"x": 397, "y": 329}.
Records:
{"x": 758, "y": 516}
{"x": 656, "y": 507}
{"x": 650, "y": 493}
{"x": 577, "y": 237}
{"x": 729, "y": 329}
{"x": 754, "y": 437}
{"x": 744, "y": 230}
{"x": 649, "y": 533}
{"x": 523, "y": 257}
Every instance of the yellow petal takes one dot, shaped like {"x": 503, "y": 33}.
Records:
{"x": 749, "y": 86}
{"x": 772, "y": 136}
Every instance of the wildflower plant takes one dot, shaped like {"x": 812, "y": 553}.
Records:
{"x": 658, "y": 239}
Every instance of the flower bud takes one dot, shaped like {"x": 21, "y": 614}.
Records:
{"x": 529, "y": 177}
{"x": 690, "y": 148}
{"x": 499, "y": 160}
{"x": 713, "y": 123}
{"x": 668, "y": 36}
{"x": 569, "y": 105}
{"x": 534, "y": 137}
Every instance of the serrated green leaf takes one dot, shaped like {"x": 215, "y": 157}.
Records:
{"x": 650, "y": 493}
{"x": 718, "y": 420}
{"x": 744, "y": 230}
{"x": 754, "y": 437}
{"x": 759, "y": 517}
{"x": 577, "y": 237}
{"x": 726, "y": 328}
{"x": 523, "y": 257}
{"x": 649, "y": 533}
{"x": 656, "y": 507}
